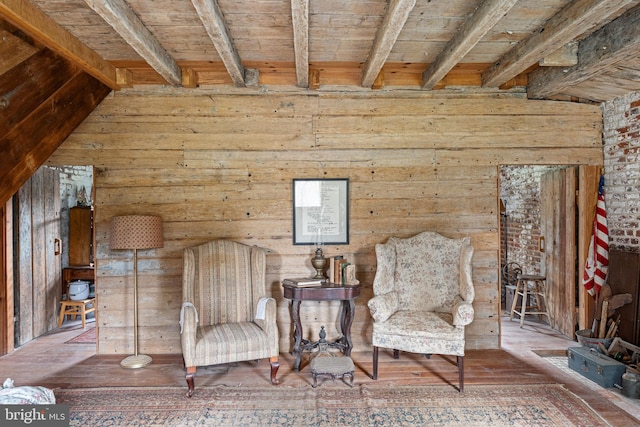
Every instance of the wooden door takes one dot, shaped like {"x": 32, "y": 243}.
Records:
{"x": 558, "y": 227}
{"x": 38, "y": 275}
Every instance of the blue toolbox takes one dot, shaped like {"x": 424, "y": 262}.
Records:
{"x": 596, "y": 366}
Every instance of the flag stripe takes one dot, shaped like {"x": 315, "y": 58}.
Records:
{"x": 596, "y": 266}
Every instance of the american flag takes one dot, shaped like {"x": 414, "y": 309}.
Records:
{"x": 597, "y": 264}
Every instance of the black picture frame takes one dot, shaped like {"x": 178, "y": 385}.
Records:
{"x": 321, "y": 211}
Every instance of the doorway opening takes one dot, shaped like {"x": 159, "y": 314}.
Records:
{"x": 50, "y": 247}
{"x": 544, "y": 228}
{"x": 78, "y": 237}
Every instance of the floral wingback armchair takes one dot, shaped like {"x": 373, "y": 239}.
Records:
{"x": 225, "y": 315}
{"x": 423, "y": 293}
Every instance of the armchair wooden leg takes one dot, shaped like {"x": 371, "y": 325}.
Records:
{"x": 275, "y": 364}
{"x": 375, "y": 363}
{"x": 191, "y": 372}
{"x": 461, "y": 372}
{"x": 396, "y": 353}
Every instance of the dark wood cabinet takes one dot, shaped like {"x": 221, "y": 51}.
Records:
{"x": 624, "y": 277}
{"x": 81, "y": 236}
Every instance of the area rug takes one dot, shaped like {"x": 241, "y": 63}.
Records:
{"x": 631, "y": 406}
{"x": 87, "y": 337}
{"x": 331, "y": 404}
{"x": 561, "y": 363}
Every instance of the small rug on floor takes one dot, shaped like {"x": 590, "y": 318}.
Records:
{"x": 331, "y": 404}
{"x": 87, "y": 337}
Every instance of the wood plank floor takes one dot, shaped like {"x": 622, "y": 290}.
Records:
{"x": 49, "y": 362}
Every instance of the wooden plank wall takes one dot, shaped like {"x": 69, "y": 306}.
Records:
{"x": 39, "y": 274}
{"x": 219, "y": 165}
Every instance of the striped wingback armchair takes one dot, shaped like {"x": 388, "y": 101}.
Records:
{"x": 423, "y": 295}
{"x": 226, "y": 316}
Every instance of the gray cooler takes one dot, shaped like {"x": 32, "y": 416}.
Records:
{"x": 594, "y": 365}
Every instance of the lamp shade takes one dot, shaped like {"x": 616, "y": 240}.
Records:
{"x": 136, "y": 232}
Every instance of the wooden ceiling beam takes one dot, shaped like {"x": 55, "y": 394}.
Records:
{"x": 215, "y": 25}
{"x": 393, "y": 22}
{"x": 300, "y": 22}
{"x": 24, "y": 15}
{"x": 13, "y": 50}
{"x": 615, "y": 43}
{"x": 119, "y": 15}
{"x": 565, "y": 57}
{"x": 485, "y": 17}
{"x": 574, "y": 20}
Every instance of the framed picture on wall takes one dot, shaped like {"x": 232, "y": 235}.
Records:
{"x": 321, "y": 211}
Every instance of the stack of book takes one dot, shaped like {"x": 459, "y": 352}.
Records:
{"x": 303, "y": 282}
{"x": 342, "y": 272}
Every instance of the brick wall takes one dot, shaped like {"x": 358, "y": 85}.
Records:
{"x": 520, "y": 193}
{"x": 621, "y": 139}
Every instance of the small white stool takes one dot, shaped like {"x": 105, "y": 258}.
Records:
{"x": 530, "y": 285}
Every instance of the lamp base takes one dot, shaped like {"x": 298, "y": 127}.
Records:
{"x": 320, "y": 263}
{"x": 135, "y": 361}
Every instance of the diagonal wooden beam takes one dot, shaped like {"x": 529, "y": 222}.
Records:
{"x": 615, "y": 43}
{"x": 484, "y": 18}
{"x": 24, "y": 15}
{"x": 32, "y": 141}
{"x": 395, "y": 18}
{"x": 565, "y": 26}
{"x": 214, "y": 23}
{"x": 125, "y": 22}
{"x": 300, "y": 18}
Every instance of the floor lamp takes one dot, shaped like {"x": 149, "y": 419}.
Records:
{"x": 136, "y": 232}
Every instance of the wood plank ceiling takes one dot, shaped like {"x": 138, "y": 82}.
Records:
{"x": 583, "y": 50}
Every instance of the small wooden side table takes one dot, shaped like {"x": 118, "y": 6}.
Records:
{"x": 326, "y": 292}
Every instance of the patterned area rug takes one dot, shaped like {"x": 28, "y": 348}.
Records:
{"x": 87, "y": 337}
{"x": 331, "y": 404}
{"x": 631, "y": 406}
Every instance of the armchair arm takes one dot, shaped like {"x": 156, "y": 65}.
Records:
{"x": 265, "y": 318}
{"x": 188, "y": 326}
{"x": 383, "y": 306}
{"x": 462, "y": 312}
{"x": 265, "y": 312}
{"x": 383, "y": 282}
{"x": 467, "y": 291}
